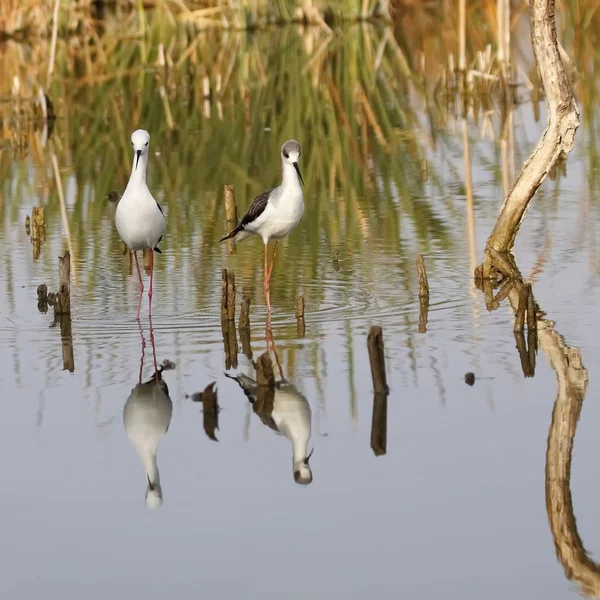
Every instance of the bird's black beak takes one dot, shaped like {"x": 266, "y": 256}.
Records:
{"x": 298, "y": 171}
{"x": 137, "y": 160}
{"x": 308, "y": 457}
{"x": 150, "y": 484}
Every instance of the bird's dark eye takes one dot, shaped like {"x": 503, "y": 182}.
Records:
{"x": 286, "y": 154}
{"x": 146, "y": 143}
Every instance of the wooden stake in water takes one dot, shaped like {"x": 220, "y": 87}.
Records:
{"x": 64, "y": 291}
{"x": 423, "y": 294}
{"x": 379, "y": 425}
{"x": 244, "y": 322}
{"x": 231, "y": 215}
{"x": 228, "y": 295}
{"x": 423, "y": 282}
{"x": 301, "y": 326}
{"x": 230, "y": 343}
{"x": 66, "y": 337}
{"x": 377, "y": 360}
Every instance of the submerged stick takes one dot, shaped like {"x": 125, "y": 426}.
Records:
{"x": 377, "y": 360}
{"x": 379, "y": 425}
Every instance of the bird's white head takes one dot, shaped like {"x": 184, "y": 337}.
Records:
{"x": 154, "y": 497}
{"x": 140, "y": 139}
{"x": 302, "y": 473}
{"x": 290, "y": 154}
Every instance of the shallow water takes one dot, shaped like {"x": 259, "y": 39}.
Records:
{"x": 456, "y": 505}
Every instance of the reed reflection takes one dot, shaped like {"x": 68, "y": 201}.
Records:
{"x": 146, "y": 418}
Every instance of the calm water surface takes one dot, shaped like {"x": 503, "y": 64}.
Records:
{"x": 457, "y": 505}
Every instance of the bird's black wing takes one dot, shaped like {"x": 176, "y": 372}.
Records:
{"x": 160, "y": 208}
{"x": 256, "y": 209}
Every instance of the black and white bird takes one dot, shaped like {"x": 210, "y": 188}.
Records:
{"x": 146, "y": 418}
{"x": 139, "y": 218}
{"x": 287, "y": 412}
{"x": 276, "y": 212}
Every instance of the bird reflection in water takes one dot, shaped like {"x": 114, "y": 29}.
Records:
{"x": 146, "y": 417}
{"x": 282, "y": 408}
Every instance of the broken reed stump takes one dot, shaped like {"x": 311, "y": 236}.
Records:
{"x": 423, "y": 294}
{"x": 229, "y": 344}
{"x": 422, "y": 272}
{"x": 36, "y": 229}
{"x": 244, "y": 322}
{"x": 147, "y": 259}
{"x": 230, "y": 206}
{"x": 244, "y": 328}
{"x": 231, "y": 215}
{"x": 227, "y": 295}
{"x": 42, "y": 294}
{"x": 301, "y": 326}
{"x": 379, "y": 425}
{"x": 377, "y": 360}
{"x": 63, "y": 300}
{"x": 38, "y": 223}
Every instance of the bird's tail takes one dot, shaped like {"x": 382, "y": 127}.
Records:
{"x": 237, "y": 230}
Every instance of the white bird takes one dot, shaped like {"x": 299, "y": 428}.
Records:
{"x": 139, "y": 218}
{"x": 287, "y": 412}
{"x": 276, "y": 212}
{"x": 146, "y": 417}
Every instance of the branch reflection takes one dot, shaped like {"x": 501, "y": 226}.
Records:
{"x": 572, "y": 378}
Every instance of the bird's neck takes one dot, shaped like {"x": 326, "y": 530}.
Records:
{"x": 300, "y": 447}
{"x": 151, "y": 468}
{"x": 138, "y": 175}
{"x": 290, "y": 177}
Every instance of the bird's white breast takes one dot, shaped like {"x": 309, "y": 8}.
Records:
{"x": 138, "y": 219}
{"x": 282, "y": 214}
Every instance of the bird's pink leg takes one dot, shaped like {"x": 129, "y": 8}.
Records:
{"x": 266, "y": 283}
{"x": 153, "y": 348}
{"x": 137, "y": 264}
{"x": 273, "y": 260}
{"x": 151, "y": 275}
{"x": 143, "y": 350}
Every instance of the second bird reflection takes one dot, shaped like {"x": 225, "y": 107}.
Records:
{"x": 286, "y": 411}
{"x": 146, "y": 418}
